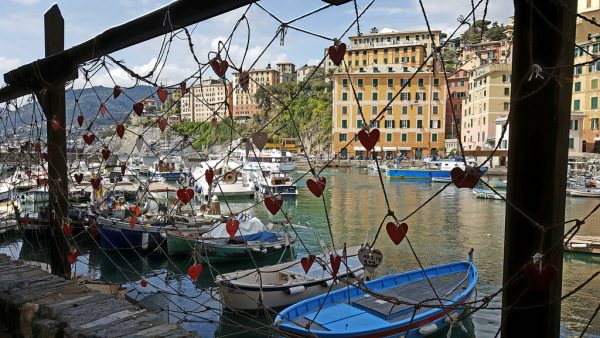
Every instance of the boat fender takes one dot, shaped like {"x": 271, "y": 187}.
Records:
{"x": 277, "y": 247}
{"x": 428, "y": 329}
{"x": 256, "y": 249}
{"x": 294, "y": 290}
{"x": 327, "y": 283}
{"x": 263, "y": 250}
{"x": 145, "y": 240}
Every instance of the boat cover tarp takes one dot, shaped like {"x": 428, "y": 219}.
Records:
{"x": 247, "y": 227}
{"x": 263, "y": 236}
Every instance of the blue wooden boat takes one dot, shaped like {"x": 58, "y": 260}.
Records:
{"x": 117, "y": 234}
{"x": 352, "y": 312}
{"x": 433, "y": 170}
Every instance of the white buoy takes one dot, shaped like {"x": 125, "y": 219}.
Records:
{"x": 294, "y": 290}
{"x": 145, "y": 240}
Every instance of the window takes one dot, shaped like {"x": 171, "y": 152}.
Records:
{"x": 404, "y": 124}
{"x": 420, "y": 82}
{"x": 577, "y": 86}
{"x": 344, "y": 110}
{"x": 374, "y": 96}
{"x": 403, "y": 137}
{"x": 419, "y": 137}
{"x": 375, "y": 82}
{"x": 574, "y": 125}
{"x": 343, "y": 137}
{"x": 576, "y": 105}
{"x": 434, "y": 124}
{"x": 436, "y": 82}
{"x": 435, "y": 110}
{"x": 594, "y": 84}
{"x": 404, "y": 82}
{"x": 571, "y": 143}
{"x": 344, "y": 124}
{"x": 388, "y": 137}
{"x": 435, "y": 96}
{"x": 359, "y": 123}
{"x": 385, "y": 61}
{"x": 359, "y": 95}
{"x": 594, "y": 103}
{"x": 419, "y": 123}
{"x": 594, "y": 123}
{"x": 345, "y": 83}
{"x": 364, "y": 62}
{"x": 390, "y": 82}
{"x": 404, "y": 110}
{"x": 506, "y": 91}
{"x": 420, "y": 96}
{"x": 390, "y": 96}
{"x": 420, "y": 110}
{"x": 506, "y": 106}
{"x": 375, "y": 61}
{"x": 404, "y": 96}
{"x": 506, "y": 78}
{"x": 390, "y": 124}
{"x": 413, "y": 59}
{"x": 433, "y": 137}
{"x": 344, "y": 96}
{"x": 579, "y": 70}
{"x": 397, "y": 60}
{"x": 360, "y": 82}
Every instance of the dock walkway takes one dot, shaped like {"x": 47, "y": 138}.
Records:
{"x": 34, "y": 303}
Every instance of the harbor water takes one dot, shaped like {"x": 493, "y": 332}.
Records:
{"x": 440, "y": 232}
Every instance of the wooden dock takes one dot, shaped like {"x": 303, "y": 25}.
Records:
{"x": 34, "y": 303}
{"x": 584, "y": 244}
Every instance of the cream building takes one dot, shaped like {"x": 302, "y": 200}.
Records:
{"x": 488, "y": 100}
{"x": 206, "y": 99}
{"x": 244, "y": 103}
{"x": 304, "y": 72}
{"x": 287, "y": 72}
{"x": 586, "y": 91}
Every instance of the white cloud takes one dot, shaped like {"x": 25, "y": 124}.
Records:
{"x": 26, "y": 2}
{"x": 8, "y": 64}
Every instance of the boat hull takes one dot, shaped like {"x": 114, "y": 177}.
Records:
{"x": 116, "y": 235}
{"x": 418, "y": 174}
{"x": 208, "y": 252}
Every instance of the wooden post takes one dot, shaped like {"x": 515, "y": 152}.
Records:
{"x": 538, "y": 152}
{"x": 53, "y": 104}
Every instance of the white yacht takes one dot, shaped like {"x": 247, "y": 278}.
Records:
{"x": 229, "y": 180}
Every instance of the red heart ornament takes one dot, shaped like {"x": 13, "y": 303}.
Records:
{"x": 40, "y": 181}
{"x": 194, "y": 271}
{"x": 368, "y": 139}
{"x": 163, "y": 94}
{"x": 116, "y": 91}
{"x": 123, "y": 167}
{"x": 183, "y": 87}
{"x": 55, "y": 124}
{"x": 143, "y": 283}
{"x": 307, "y": 262}
{"x": 214, "y": 121}
{"x": 273, "y": 204}
{"x": 185, "y": 195}
{"x": 80, "y": 120}
{"x": 260, "y": 139}
{"x": 232, "y": 227}
{"x": 219, "y": 66}
{"x": 209, "y": 175}
{"x": 132, "y": 222}
{"x": 162, "y": 124}
{"x": 465, "y": 178}
{"x": 336, "y": 261}
{"x": 103, "y": 109}
{"x": 244, "y": 80}
{"x": 37, "y": 147}
{"x": 96, "y": 182}
{"x": 105, "y": 153}
{"x": 72, "y": 257}
{"x": 316, "y": 187}
{"x": 337, "y": 52}
{"x": 138, "y": 108}
{"x": 78, "y": 177}
{"x": 540, "y": 279}
{"x": 120, "y": 130}
{"x": 396, "y": 232}
{"x": 68, "y": 229}
{"x": 136, "y": 210}
{"x": 89, "y": 137}
{"x": 24, "y": 220}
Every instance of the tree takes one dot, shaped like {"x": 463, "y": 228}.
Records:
{"x": 496, "y": 32}
{"x": 450, "y": 57}
{"x": 473, "y": 34}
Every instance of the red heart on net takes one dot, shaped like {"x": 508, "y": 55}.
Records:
{"x": 24, "y": 220}
{"x": 307, "y": 262}
{"x": 162, "y": 124}
{"x": 72, "y": 257}
{"x": 89, "y": 138}
{"x": 102, "y": 109}
{"x": 37, "y": 147}
{"x": 163, "y": 94}
{"x": 337, "y": 52}
{"x": 143, "y": 283}
{"x": 105, "y": 153}
{"x": 194, "y": 271}
{"x": 40, "y": 181}
{"x": 138, "y": 108}
{"x": 68, "y": 229}
{"x": 316, "y": 187}
{"x": 80, "y": 120}
{"x": 209, "y": 175}
{"x": 396, "y": 232}
{"x": 273, "y": 204}
{"x": 260, "y": 139}
{"x": 219, "y": 66}
{"x": 132, "y": 222}
{"x": 465, "y": 178}
{"x": 185, "y": 195}
{"x": 540, "y": 279}
{"x": 213, "y": 121}
{"x": 116, "y": 91}
{"x": 96, "y": 182}
{"x": 46, "y": 156}
{"x": 368, "y": 139}
{"x": 244, "y": 80}
{"x": 123, "y": 167}
{"x": 55, "y": 124}
{"x": 183, "y": 87}
{"x": 78, "y": 177}
{"x": 232, "y": 227}
{"x": 136, "y": 210}
{"x": 120, "y": 130}
{"x": 336, "y": 261}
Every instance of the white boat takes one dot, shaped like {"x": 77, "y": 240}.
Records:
{"x": 441, "y": 179}
{"x": 584, "y": 192}
{"x": 6, "y": 191}
{"x": 36, "y": 195}
{"x": 373, "y": 167}
{"x": 489, "y": 194}
{"x": 268, "y": 159}
{"x": 171, "y": 168}
{"x": 284, "y": 284}
{"x": 276, "y": 183}
{"x": 229, "y": 180}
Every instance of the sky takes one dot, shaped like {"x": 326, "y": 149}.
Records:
{"x": 22, "y": 38}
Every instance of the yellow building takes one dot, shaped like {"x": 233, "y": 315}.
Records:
{"x": 206, "y": 99}
{"x": 586, "y": 92}
{"x": 244, "y": 103}
{"x": 414, "y": 122}
{"x": 488, "y": 100}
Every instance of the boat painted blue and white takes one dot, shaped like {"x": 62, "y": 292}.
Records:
{"x": 352, "y": 312}
{"x": 116, "y": 233}
{"x": 432, "y": 170}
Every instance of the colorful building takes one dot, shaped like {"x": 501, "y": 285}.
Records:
{"x": 244, "y": 103}
{"x": 206, "y": 99}
{"x": 458, "y": 82}
{"x": 586, "y": 92}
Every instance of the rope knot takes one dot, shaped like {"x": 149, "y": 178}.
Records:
{"x": 536, "y": 72}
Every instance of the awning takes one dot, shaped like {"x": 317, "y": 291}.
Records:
{"x": 377, "y": 149}
{"x": 389, "y": 148}
{"x": 404, "y": 148}
{"x": 359, "y": 149}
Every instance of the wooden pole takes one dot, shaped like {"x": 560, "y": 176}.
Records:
{"x": 538, "y": 152}
{"x": 52, "y": 102}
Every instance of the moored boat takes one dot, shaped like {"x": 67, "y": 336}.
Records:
{"x": 276, "y": 183}
{"x": 432, "y": 169}
{"x": 283, "y": 284}
{"x": 489, "y": 193}
{"x": 356, "y": 311}
{"x": 584, "y": 192}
